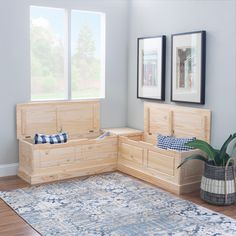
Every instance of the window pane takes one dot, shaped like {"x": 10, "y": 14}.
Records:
{"x": 87, "y": 54}
{"x": 48, "y": 80}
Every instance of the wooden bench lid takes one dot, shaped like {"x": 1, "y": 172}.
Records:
{"x": 176, "y": 121}
{"x": 77, "y": 118}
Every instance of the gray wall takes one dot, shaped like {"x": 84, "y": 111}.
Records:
{"x": 218, "y": 18}
{"x": 15, "y": 63}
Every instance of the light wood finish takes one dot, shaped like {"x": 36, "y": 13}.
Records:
{"x": 138, "y": 154}
{"x": 82, "y": 155}
{"x": 160, "y": 162}
{"x": 141, "y": 157}
{"x": 132, "y": 153}
{"x": 176, "y": 120}
{"x": 12, "y": 225}
{"x": 50, "y": 162}
{"x": 157, "y": 166}
{"x": 124, "y": 131}
{"x": 75, "y": 118}
{"x": 133, "y": 134}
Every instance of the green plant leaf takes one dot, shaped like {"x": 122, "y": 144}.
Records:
{"x": 234, "y": 146}
{"x": 194, "y": 157}
{"x": 204, "y": 146}
{"x": 222, "y": 154}
{"x": 227, "y": 157}
{"x": 218, "y": 161}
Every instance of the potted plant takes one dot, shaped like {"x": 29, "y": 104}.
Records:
{"x": 218, "y": 180}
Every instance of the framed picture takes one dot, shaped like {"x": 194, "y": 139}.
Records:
{"x": 151, "y": 68}
{"x": 188, "y": 59}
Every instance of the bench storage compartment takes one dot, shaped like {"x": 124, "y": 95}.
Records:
{"x": 81, "y": 155}
{"x": 142, "y": 158}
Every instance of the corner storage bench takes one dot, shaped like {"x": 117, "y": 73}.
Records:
{"x": 82, "y": 155}
{"x": 131, "y": 151}
{"x": 140, "y": 157}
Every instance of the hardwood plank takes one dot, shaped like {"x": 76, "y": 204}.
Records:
{"x": 11, "y": 224}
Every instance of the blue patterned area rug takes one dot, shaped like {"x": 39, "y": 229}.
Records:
{"x": 113, "y": 204}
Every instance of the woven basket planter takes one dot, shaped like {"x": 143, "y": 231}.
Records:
{"x": 218, "y": 185}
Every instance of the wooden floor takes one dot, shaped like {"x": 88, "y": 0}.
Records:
{"x": 11, "y": 224}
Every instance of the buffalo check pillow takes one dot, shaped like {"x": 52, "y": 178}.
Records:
{"x": 164, "y": 141}
{"x": 179, "y": 144}
{"x": 52, "y": 139}
{"x": 173, "y": 143}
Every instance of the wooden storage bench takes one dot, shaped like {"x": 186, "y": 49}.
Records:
{"x": 81, "y": 155}
{"x": 136, "y": 152}
{"x": 140, "y": 157}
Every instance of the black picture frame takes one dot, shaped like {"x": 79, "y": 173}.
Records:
{"x": 160, "y": 53}
{"x": 199, "y": 70}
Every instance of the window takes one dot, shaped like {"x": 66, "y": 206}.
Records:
{"x": 67, "y": 54}
{"x": 87, "y": 57}
{"x": 48, "y": 78}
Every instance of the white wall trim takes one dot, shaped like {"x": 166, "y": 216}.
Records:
{"x": 8, "y": 169}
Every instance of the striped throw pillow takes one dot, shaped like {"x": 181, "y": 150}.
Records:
{"x": 52, "y": 139}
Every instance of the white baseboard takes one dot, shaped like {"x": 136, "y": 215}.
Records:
{"x": 8, "y": 169}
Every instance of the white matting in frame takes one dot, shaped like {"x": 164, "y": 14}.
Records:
{"x": 188, "y": 67}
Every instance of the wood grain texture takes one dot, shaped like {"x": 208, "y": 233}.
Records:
{"x": 74, "y": 117}
{"x": 45, "y": 163}
{"x": 142, "y": 158}
{"x": 158, "y": 166}
{"x": 125, "y": 131}
{"x": 137, "y": 150}
{"x": 81, "y": 155}
{"x": 160, "y": 162}
{"x": 12, "y": 225}
{"x": 176, "y": 120}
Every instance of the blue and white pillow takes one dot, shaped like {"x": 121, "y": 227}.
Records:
{"x": 179, "y": 144}
{"x": 52, "y": 139}
{"x": 164, "y": 141}
{"x": 173, "y": 143}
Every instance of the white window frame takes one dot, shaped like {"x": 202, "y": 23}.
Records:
{"x": 67, "y": 54}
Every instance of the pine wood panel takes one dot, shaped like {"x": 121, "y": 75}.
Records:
{"x": 33, "y": 120}
{"x": 162, "y": 163}
{"x": 76, "y": 118}
{"x": 56, "y": 157}
{"x": 148, "y": 176}
{"x": 124, "y": 131}
{"x": 160, "y": 166}
{"x": 75, "y": 158}
{"x": 176, "y": 120}
{"x": 132, "y": 153}
{"x": 84, "y": 170}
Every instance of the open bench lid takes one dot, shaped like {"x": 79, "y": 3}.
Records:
{"x": 77, "y": 118}
{"x": 176, "y": 121}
